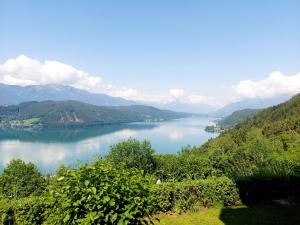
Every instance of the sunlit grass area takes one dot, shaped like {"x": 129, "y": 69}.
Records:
{"x": 204, "y": 216}
{"x": 271, "y": 213}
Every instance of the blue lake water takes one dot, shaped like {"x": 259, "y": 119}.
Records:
{"x": 48, "y": 148}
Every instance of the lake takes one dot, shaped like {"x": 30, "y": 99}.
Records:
{"x": 48, "y": 148}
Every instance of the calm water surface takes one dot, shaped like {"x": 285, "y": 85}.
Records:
{"x": 48, "y": 148}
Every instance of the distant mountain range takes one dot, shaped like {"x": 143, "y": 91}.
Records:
{"x": 12, "y": 94}
{"x": 256, "y": 103}
{"x": 69, "y": 113}
{"x": 186, "y": 107}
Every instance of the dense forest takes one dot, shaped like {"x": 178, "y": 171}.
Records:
{"x": 230, "y": 121}
{"x": 67, "y": 113}
{"x": 236, "y": 117}
{"x": 258, "y": 159}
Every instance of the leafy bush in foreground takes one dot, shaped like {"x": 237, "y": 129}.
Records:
{"x": 24, "y": 211}
{"x": 190, "y": 194}
{"x": 20, "y": 179}
{"x": 100, "y": 194}
{"x": 133, "y": 153}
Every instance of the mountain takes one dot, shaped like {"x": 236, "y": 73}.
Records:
{"x": 266, "y": 144}
{"x": 186, "y": 107}
{"x": 256, "y": 103}
{"x": 236, "y": 117}
{"x": 61, "y": 113}
{"x": 12, "y": 94}
{"x": 277, "y": 119}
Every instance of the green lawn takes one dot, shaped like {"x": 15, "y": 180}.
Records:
{"x": 204, "y": 216}
{"x": 258, "y": 214}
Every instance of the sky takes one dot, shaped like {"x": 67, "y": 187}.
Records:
{"x": 199, "y": 52}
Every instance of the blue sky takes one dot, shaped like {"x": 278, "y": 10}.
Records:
{"x": 195, "y": 48}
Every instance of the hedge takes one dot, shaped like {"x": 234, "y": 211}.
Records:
{"x": 191, "y": 194}
{"x": 24, "y": 211}
{"x": 165, "y": 197}
{"x": 261, "y": 188}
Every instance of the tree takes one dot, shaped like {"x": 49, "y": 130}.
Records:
{"x": 20, "y": 179}
{"x": 133, "y": 153}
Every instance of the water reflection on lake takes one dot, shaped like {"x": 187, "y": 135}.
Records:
{"x": 50, "y": 147}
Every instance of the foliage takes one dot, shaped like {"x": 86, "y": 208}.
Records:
{"x": 100, "y": 194}
{"x": 254, "y": 146}
{"x": 264, "y": 187}
{"x": 133, "y": 153}
{"x": 24, "y": 211}
{"x": 184, "y": 166}
{"x": 191, "y": 194}
{"x": 236, "y": 117}
{"x": 70, "y": 113}
{"x": 20, "y": 179}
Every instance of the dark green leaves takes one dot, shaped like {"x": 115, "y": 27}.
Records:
{"x": 100, "y": 194}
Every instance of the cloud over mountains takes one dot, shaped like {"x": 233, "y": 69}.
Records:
{"x": 24, "y": 71}
{"x": 275, "y": 84}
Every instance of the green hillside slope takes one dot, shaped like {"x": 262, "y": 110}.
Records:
{"x": 237, "y": 117}
{"x": 57, "y": 113}
{"x": 266, "y": 143}
{"x": 231, "y": 120}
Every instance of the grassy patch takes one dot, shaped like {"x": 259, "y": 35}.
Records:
{"x": 31, "y": 121}
{"x": 267, "y": 213}
{"x": 204, "y": 216}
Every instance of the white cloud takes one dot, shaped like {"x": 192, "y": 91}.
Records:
{"x": 275, "y": 84}
{"x": 177, "y": 93}
{"x": 124, "y": 92}
{"x": 135, "y": 95}
{"x": 26, "y": 71}
{"x": 171, "y": 95}
{"x": 199, "y": 99}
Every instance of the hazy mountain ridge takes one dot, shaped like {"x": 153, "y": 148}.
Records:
{"x": 255, "y": 103}
{"x": 186, "y": 107}
{"x": 58, "y": 113}
{"x": 13, "y": 94}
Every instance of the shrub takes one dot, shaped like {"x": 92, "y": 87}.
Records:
{"x": 185, "y": 166}
{"x": 133, "y": 153}
{"x": 190, "y": 194}
{"x": 100, "y": 194}
{"x": 20, "y": 179}
{"x": 24, "y": 211}
{"x": 266, "y": 187}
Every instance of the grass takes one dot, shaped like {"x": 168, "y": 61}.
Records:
{"x": 267, "y": 213}
{"x": 204, "y": 216}
{"x": 31, "y": 121}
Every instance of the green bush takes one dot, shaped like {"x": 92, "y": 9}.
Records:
{"x": 190, "y": 194}
{"x": 20, "y": 179}
{"x": 185, "y": 166}
{"x": 100, "y": 194}
{"x": 24, "y": 211}
{"x": 133, "y": 153}
{"x": 265, "y": 187}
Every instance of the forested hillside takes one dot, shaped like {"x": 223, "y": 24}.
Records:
{"x": 236, "y": 117}
{"x": 268, "y": 142}
{"x": 57, "y": 113}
